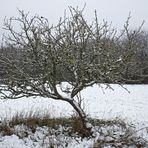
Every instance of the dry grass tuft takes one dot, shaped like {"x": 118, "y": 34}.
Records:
{"x": 112, "y": 133}
{"x": 33, "y": 120}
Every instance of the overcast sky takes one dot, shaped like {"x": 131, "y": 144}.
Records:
{"x": 111, "y": 10}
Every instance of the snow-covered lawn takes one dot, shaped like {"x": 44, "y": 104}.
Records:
{"x": 131, "y": 105}
{"x": 99, "y": 102}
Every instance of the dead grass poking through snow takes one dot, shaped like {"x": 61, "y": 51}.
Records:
{"x": 34, "y": 119}
{"x": 113, "y": 133}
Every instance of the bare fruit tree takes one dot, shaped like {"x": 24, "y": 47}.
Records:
{"x": 58, "y": 62}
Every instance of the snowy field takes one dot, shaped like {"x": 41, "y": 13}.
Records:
{"x": 99, "y": 102}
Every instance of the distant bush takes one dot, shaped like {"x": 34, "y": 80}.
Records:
{"x": 135, "y": 72}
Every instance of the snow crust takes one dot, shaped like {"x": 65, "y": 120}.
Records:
{"x": 42, "y": 139}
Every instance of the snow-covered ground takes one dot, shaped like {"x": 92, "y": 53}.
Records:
{"x": 99, "y": 102}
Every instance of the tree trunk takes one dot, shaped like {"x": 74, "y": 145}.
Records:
{"x": 83, "y": 117}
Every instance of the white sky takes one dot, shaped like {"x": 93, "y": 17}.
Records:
{"x": 111, "y": 10}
